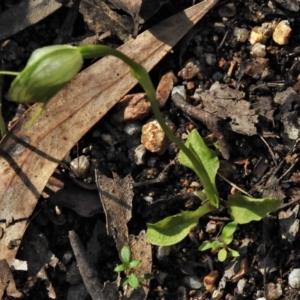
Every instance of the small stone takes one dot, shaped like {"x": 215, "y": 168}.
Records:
{"x": 80, "y": 166}
{"x": 256, "y": 36}
{"x": 132, "y": 128}
{"x": 241, "y": 34}
{"x": 211, "y": 227}
{"x": 162, "y": 251}
{"x": 241, "y": 285}
{"x": 132, "y": 107}
{"x": 274, "y": 291}
{"x": 282, "y": 33}
{"x": 109, "y": 139}
{"x": 228, "y": 10}
{"x": 210, "y": 59}
{"x": 139, "y": 155}
{"x": 154, "y": 138}
{"x": 258, "y": 50}
{"x": 193, "y": 282}
{"x": 294, "y": 279}
{"x": 191, "y": 69}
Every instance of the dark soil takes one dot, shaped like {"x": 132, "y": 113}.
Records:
{"x": 264, "y": 162}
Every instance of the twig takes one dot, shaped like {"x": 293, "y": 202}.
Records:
{"x": 232, "y": 184}
{"x": 215, "y": 124}
{"x": 88, "y": 273}
{"x": 270, "y": 150}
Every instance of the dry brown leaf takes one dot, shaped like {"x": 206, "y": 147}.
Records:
{"x": 141, "y": 250}
{"x": 24, "y": 14}
{"x": 226, "y": 103}
{"x": 139, "y": 10}
{"x": 116, "y": 196}
{"x": 101, "y": 18}
{"x": 29, "y": 156}
{"x": 7, "y": 281}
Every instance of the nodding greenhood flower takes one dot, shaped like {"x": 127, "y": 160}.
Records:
{"x": 47, "y": 70}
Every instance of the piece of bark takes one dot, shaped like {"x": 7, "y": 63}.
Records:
{"x": 140, "y": 250}
{"x": 227, "y": 103}
{"x": 25, "y": 14}
{"x": 215, "y": 124}
{"x": 29, "y": 156}
{"x": 7, "y": 282}
{"x": 116, "y": 196}
{"x": 87, "y": 271}
{"x": 100, "y": 18}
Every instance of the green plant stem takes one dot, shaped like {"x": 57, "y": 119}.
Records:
{"x": 140, "y": 73}
{"x": 12, "y": 73}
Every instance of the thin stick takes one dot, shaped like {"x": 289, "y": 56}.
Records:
{"x": 232, "y": 184}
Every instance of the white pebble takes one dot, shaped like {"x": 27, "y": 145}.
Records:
{"x": 193, "y": 282}
{"x": 132, "y": 128}
{"x": 241, "y": 34}
{"x": 294, "y": 279}
{"x": 80, "y": 166}
{"x": 258, "y": 50}
{"x": 139, "y": 155}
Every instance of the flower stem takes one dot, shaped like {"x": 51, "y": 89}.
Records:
{"x": 141, "y": 74}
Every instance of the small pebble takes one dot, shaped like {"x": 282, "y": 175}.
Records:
{"x": 180, "y": 89}
{"x": 274, "y": 291}
{"x": 80, "y": 166}
{"x": 162, "y": 251}
{"x": 193, "y": 282}
{"x": 148, "y": 199}
{"x": 227, "y": 10}
{"x": 282, "y": 33}
{"x": 153, "y": 137}
{"x": 241, "y": 34}
{"x": 109, "y": 139}
{"x": 258, "y": 50}
{"x": 66, "y": 258}
{"x": 132, "y": 128}
{"x": 139, "y": 155}
{"x": 210, "y": 59}
{"x": 241, "y": 285}
{"x": 294, "y": 279}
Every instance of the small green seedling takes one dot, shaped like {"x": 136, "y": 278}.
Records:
{"x": 222, "y": 246}
{"x": 127, "y": 267}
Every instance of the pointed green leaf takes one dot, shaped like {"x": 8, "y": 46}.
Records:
{"x": 133, "y": 281}
{"x": 217, "y": 244}
{"x": 205, "y": 246}
{"x": 120, "y": 268}
{"x": 222, "y": 255}
{"x": 209, "y": 165}
{"x": 174, "y": 229}
{"x": 134, "y": 264}
{"x": 125, "y": 255}
{"x": 228, "y": 232}
{"x": 233, "y": 253}
{"x": 244, "y": 209}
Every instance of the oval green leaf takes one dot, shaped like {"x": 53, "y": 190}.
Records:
{"x": 174, "y": 229}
